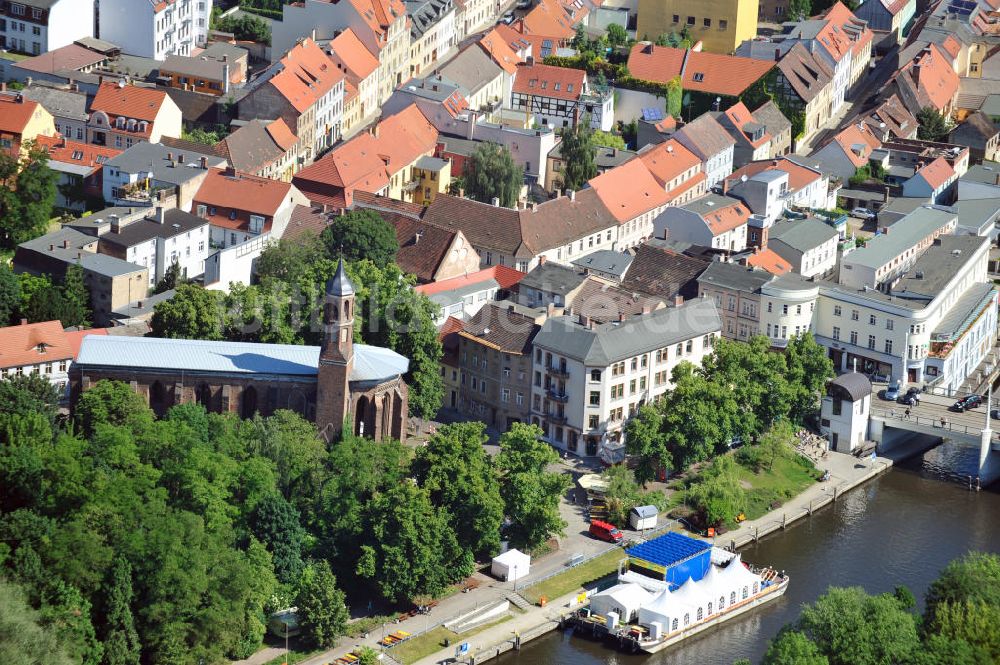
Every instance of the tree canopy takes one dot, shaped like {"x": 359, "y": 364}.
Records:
{"x": 361, "y": 234}
{"x": 490, "y": 172}
{"x": 577, "y": 151}
{"x": 27, "y": 194}
{"x": 931, "y": 125}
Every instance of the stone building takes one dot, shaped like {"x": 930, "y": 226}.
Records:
{"x": 333, "y": 384}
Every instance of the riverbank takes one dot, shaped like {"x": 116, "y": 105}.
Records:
{"x": 846, "y": 473}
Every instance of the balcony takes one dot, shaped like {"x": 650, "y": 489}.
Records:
{"x": 558, "y": 418}
{"x": 558, "y": 371}
{"x": 557, "y": 396}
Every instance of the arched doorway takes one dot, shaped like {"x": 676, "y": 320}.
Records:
{"x": 361, "y": 427}
{"x": 248, "y": 402}
{"x": 398, "y": 417}
{"x": 203, "y": 395}
{"x": 158, "y": 399}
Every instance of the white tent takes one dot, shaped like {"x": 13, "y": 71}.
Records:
{"x": 665, "y": 610}
{"x": 623, "y": 599}
{"x": 511, "y": 565}
{"x": 734, "y": 578}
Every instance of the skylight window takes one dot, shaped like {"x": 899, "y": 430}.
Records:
{"x": 699, "y": 77}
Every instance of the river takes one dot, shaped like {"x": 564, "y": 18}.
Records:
{"x": 900, "y": 528}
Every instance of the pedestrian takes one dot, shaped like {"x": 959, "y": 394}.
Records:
{"x": 907, "y": 413}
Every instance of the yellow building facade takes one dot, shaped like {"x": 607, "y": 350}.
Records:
{"x": 721, "y": 25}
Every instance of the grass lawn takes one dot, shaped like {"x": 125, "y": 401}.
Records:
{"x": 786, "y": 479}
{"x": 432, "y": 641}
{"x": 294, "y": 656}
{"x": 574, "y": 578}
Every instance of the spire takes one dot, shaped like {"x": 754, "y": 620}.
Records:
{"x": 340, "y": 284}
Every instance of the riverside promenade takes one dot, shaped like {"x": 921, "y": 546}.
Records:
{"x": 846, "y": 473}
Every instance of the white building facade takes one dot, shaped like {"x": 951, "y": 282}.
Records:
{"x": 39, "y": 26}
{"x": 155, "y": 29}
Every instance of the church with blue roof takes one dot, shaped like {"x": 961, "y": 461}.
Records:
{"x": 331, "y": 384}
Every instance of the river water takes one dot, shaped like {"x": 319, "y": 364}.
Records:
{"x": 900, "y": 528}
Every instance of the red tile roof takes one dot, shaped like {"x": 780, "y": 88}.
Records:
{"x": 799, "y": 176}
{"x": 20, "y": 345}
{"x": 769, "y": 260}
{"x": 15, "y": 115}
{"x": 352, "y": 165}
{"x": 241, "y": 192}
{"x": 629, "y": 190}
{"x": 548, "y": 18}
{"x": 283, "y": 137}
{"x": 505, "y": 276}
{"x": 73, "y": 152}
{"x": 500, "y": 51}
{"x": 404, "y": 137}
{"x": 740, "y": 116}
{"x": 304, "y": 75}
{"x": 129, "y": 101}
{"x": 550, "y": 81}
{"x": 354, "y": 57}
{"x": 668, "y": 161}
{"x": 451, "y": 325}
{"x": 727, "y": 218}
{"x": 931, "y": 78}
{"x": 858, "y": 136}
{"x": 704, "y": 72}
{"x": 937, "y": 173}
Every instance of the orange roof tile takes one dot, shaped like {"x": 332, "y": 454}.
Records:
{"x": 500, "y": 51}
{"x": 629, "y": 190}
{"x": 281, "y": 134}
{"x": 668, "y": 161}
{"x": 353, "y": 164}
{"x": 937, "y": 172}
{"x": 15, "y": 115}
{"x": 75, "y": 338}
{"x": 240, "y": 192}
{"x": 857, "y": 141}
{"x": 505, "y": 276}
{"x": 352, "y": 56}
{"x": 450, "y": 326}
{"x": 404, "y": 137}
{"x": 933, "y": 76}
{"x": 799, "y": 176}
{"x": 33, "y": 343}
{"x": 548, "y": 18}
{"x": 727, "y": 218}
{"x": 740, "y": 116}
{"x": 304, "y": 75}
{"x": 705, "y": 72}
{"x": 769, "y": 260}
{"x": 73, "y": 152}
{"x": 129, "y": 101}
{"x": 687, "y": 185}
{"x": 550, "y": 81}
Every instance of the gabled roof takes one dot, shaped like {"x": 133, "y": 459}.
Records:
{"x": 668, "y": 161}
{"x": 354, "y": 164}
{"x": 602, "y": 302}
{"x": 549, "y": 19}
{"x": 59, "y": 102}
{"x": 500, "y": 51}
{"x": 403, "y": 137}
{"x": 501, "y": 328}
{"x": 799, "y": 176}
{"x": 857, "y": 141}
{"x": 898, "y": 120}
{"x": 304, "y": 75}
{"x": 704, "y": 72}
{"x": 769, "y": 260}
{"x": 257, "y": 144}
{"x": 75, "y": 153}
{"x": 504, "y": 276}
{"x": 629, "y": 190}
{"x": 15, "y": 115}
{"x": 358, "y": 61}
{"x": 937, "y": 173}
{"x": 774, "y": 121}
{"x": 977, "y": 126}
{"x": 33, "y": 343}
{"x": 71, "y": 57}
{"x": 807, "y": 74}
{"x": 242, "y": 192}
{"x": 857, "y": 30}
{"x": 483, "y": 224}
{"x": 471, "y": 69}
{"x": 664, "y": 273}
{"x": 929, "y": 80}
{"x": 720, "y": 213}
{"x": 743, "y": 123}
{"x": 550, "y": 81}
{"x": 129, "y": 101}
{"x": 705, "y": 137}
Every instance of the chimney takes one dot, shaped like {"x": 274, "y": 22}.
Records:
{"x": 572, "y": 195}
{"x": 646, "y": 309}
{"x": 138, "y": 304}
{"x": 496, "y": 202}
{"x": 65, "y": 244}
{"x": 159, "y": 215}
{"x": 461, "y": 193}
{"x": 621, "y": 317}
{"x": 52, "y": 248}
{"x": 3, "y": 86}
{"x": 204, "y": 162}
{"x": 74, "y": 86}
{"x": 170, "y": 156}
{"x": 542, "y": 259}
{"x": 27, "y": 82}
{"x": 584, "y": 321}
{"x": 534, "y": 207}
{"x": 550, "y": 309}
{"x": 678, "y": 300}
{"x": 418, "y": 236}
{"x": 225, "y": 75}
{"x": 230, "y": 172}
{"x": 24, "y": 322}
{"x": 180, "y": 158}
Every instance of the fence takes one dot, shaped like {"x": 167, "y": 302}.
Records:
{"x": 936, "y": 423}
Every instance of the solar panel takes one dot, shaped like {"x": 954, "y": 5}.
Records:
{"x": 652, "y": 115}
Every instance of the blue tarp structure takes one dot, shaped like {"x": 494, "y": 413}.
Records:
{"x": 672, "y": 557}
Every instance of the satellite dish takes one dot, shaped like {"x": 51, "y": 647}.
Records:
{"x": 743, "y": 178}
{"x": 121, "y": 83}
{"x": 881, "y": 125}
{"x": 670, "y": 148}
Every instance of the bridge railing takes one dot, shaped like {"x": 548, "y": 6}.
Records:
{"x": 940, "y": 423}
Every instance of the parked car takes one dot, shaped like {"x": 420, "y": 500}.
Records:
{"x": 523, "y": 4}
{"x": 605, "y": 531}
{"x": 508, "y": 18}
{"x": 967, "y": 402}
{"x": 911, "y": 398}
{"x": 892, "y": 392}
{"x": 995, "y": 414}
{"x": 863, "y": 213}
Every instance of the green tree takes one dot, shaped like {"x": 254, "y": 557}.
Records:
{"x": 608, "y": 140}
{"x": 490, "y": 172}
{"x": 27, "y": 194}
{"x": 799, "y": 9}
{"x": 808, "y": 368}
{"x": 66, "y": 611}
{"x": 322, "y": 613}
{"x": 275, "y": 522}
{"x": 291, "y": 262}
{"x": 622, "y": 494}
{"x": 121, "y": 641}
{"x": 530, "y": 492}
{"x": 793, "y": 648}
{"x": 193, "y": 313}
{"x": 367, "y": 656}
{"x": 700, "y": 416}
{"x": 454, "y": 468}
{"x": 172, "y": 276}
{"x": 111, "y": 403}
{"x": 646, "y": 443}
{"x": 617, "y": 36}
{"x": 76, "y": 299}
{"x": 718, "y": 496}
{"x": 577, "y": 151}
{"x": 965, "y": 601}
{"x": 246, "y": 27}
{"x": 361, "y": 234}
{"x": 931, "y": 125}
{"x": 29, "y": 394}
{"x": 23, "y": 638}
{"x": 10, "y": 295}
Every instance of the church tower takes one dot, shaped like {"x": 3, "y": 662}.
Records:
{"x": 336, "y": 358}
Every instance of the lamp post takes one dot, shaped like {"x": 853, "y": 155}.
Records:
{"x": 515, "y": 577}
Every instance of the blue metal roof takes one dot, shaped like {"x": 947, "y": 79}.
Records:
{"x": 669, "y": 549}
{"x": 371, "y": 363}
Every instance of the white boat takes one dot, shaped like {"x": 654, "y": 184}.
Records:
{"x": 690, "y": 586}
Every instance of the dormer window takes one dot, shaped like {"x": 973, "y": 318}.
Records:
{"x": 699, "y": 77}
{"x": 232, "y": 214}
{"x": 256, "y": 223}
{"x": 41, "y": 347}
{"x": 120, "y": 123}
